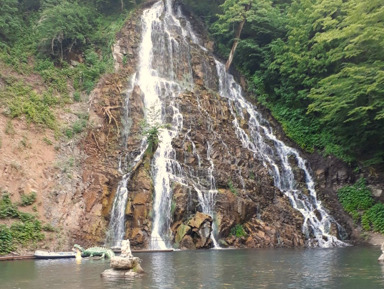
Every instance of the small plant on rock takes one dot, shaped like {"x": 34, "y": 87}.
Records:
{"x": 232, "y": 188}
{"x": 27, "y": 200}
{"x": 238, "y": 231}
{"x": 151, "y": 130}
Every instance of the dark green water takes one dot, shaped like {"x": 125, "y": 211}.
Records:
{"x": 341, "y": 268}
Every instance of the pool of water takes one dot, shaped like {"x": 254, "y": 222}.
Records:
{"x": 352, "y": 267}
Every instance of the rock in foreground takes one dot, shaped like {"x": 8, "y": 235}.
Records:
{"x": 125, "y": 265}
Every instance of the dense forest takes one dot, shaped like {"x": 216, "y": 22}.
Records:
{"x": 316, "y": 64}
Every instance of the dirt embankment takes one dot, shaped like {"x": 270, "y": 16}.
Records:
{"x": 74, "y": 178}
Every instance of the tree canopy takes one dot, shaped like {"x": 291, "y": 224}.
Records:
{"x": 63, "y": 27}
{"x": 10, "y": 20}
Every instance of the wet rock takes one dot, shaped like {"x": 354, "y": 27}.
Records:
{"x": 125, "y": 265}
{"x": 182, "y": 230}
{"x": 196, "y": 234}
{"x": 381, "y": 258}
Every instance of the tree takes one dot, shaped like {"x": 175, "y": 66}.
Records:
{"x": 10, "y": 20}
{"x": 235, "y": 14}
{"x": 350, "y": 100}
{"x": 64, "y": 26}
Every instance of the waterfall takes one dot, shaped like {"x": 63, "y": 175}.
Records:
{"x": 275, "y": 155}
{"x": 116, "y": 230}
{"x": 160, "y": 86}
{"x": 164, "y": 72}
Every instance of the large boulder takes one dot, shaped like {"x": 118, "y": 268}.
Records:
{"x": 196, "y": 234}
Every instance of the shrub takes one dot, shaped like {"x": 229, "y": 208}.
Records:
{"x": 28, "y": 229}
{"x": 356, "y": 197}
{"x": 27, "y": 200}
{"x": 238, "y": 231}
{"x": 49, "y": 228}
{"x": 64, "y": 27}
{"x": 374, "y": 217}
{"x": 79, "y": 126}
{"x": 76, "y": 96}
{"x": 6, "y": 240}
{"x": 7, "y": 209}
{"x": 24, "y": 232}
{"x": 232, "y": 188}
{"x": 22, "y": 100}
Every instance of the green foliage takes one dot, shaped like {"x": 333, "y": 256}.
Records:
{"x": 77, "y": 127}
{"x": 27, "y": 200}
{"x": 47, "y": 141}
{"x": 150, "y": 129}
{"x": 6, "y": 240}
{"x": 152, "y": 135}
{"x": 232, "y": 188}
{"x": 77, "y": 96}
{"x": 316, "y": 64}
{"x": 7, "y": 208}
{"x": 64, "y": 27}
{"x": 374, "y": 218}
{"x": 356, "y": 197}
{"x": 22, "y": 100}
{"x": 238, "y": 231}
{"x": 23, "y": 232}
{"x": 207, "y": 10}
{"x": 329, "y": 64}
{"x": 90, "y": 71}
{"x": 10, "y": 20}
{"x": 357, "y": 200}
{"x": 49, "y": 228}
{"x": 55, "y": 79}
{"x": 9, "y": 128}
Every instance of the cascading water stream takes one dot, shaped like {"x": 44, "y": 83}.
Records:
{"x": 160, "y": 88}
{"x": 116, "y": 230}
{"x": 163, "y": 51}
{"x": 275, "y": 155}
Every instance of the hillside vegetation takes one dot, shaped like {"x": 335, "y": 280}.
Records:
{"x": 52, "y": 53}
{"x": 316, "y": 64}
{"x": 67, "y": 43}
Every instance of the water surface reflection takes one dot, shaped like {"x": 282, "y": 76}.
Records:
{"x": 341, "y": 268}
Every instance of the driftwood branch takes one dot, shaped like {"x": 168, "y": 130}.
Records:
{"x": 107, "y": 111}
{"x": 97, "y": 144}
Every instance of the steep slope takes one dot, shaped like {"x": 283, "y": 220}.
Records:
{"x": 201, "y": 182}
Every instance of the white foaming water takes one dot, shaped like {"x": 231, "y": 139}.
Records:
{"x": 160, "y": 88}
{"x": 275, "y": 155}
{"x": 116, "y": 230}
{"x": 163, "y": 51}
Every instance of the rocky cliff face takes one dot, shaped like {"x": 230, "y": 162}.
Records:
{"x": 206, "y": 148}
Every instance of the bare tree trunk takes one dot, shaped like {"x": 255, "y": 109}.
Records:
{"x": 234, "y": 46}
{"x": 122, "y": 5}
{"x": 61, "y": 51}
